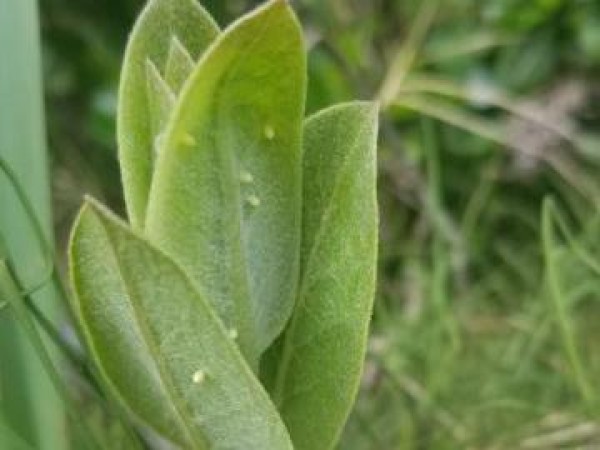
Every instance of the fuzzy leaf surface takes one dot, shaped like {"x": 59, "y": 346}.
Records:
{"x": 160, "y": 104}
{"x": 320, "y": 357}
{"x": 159, "y": 344}
{"x": 150, "y": 40}
{"x": 225, "y": 198}
{"x": 179, "y": 65}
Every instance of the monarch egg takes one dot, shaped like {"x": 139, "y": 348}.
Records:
{"x": 198, "y": 376}
{"x": 269, "y": 132}
{"x": 253, "y": 200}
{"x": 246, "y": 177}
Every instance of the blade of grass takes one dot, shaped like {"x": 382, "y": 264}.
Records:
{"x": 404, "y": 384}
{"x": 478, "y": 200}
{"x": 407, "y": 54}
{"x": 491, "y": 97}
{"x": 441, "y": 258}
{"x": 476, "y": 43}
{"x": 30, "y": 406}
{"x": 562, "y": 314}
{"x": 10, "y": 440}
{"x": 51, "y": 276}
{"x": 494, "y": 132}
{"x": 45, "y": 248}
{"x": 9, "y": 291}
{"x": 78, "y": 361}
{"x": 576, "y": 247}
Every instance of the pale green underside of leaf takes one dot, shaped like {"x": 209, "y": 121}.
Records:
{"x": 319, "y": 359}
{"x": 225, "y": 198}
{"x": 151, "y": 39}
{"x": 159, "y": 344}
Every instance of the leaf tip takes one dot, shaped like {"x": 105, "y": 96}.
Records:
{"x": 85, "y": 209}
{"x": 369, "y": 108}
{"x": 93, "y": 208}
{"x": 274, "y": 6}
{"x": 74, "y": 235}
{"x": 89, "y": 204}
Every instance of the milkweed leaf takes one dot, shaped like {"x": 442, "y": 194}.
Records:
{"x": 319, "y": 359}
{"x": 225, "y": 198}
{"x": 159, "y": 344}
{"x": 157, "y": 25}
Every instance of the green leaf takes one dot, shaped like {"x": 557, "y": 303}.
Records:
{"x": 160, "y": 104}
{"x": 179, "y": 65}
{"x": 320, "y": 357}
{"x": 158, "y": 24}
{"x": 225, "y": 199}
{"x": 159, "y": 344}
{"x": 102, "y": 306}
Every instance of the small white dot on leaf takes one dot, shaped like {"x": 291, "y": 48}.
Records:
{"x": 233, "y": 334}
{"x": 253, "y": 200}
{"x": 246, "y": 177}
{"x": 198, "y": 377}
{"x": 269, "y": 132}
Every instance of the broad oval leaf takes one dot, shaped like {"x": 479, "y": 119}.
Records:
{"x": 159, "y": 344}
{"x": 225, "y": 198}
{"x": 157, "y": 25}
{"x": 319, "y": 359}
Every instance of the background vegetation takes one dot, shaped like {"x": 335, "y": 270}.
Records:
{"x": 485, "y": 333}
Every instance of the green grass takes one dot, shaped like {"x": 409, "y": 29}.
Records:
{"x": 28, "y": 404}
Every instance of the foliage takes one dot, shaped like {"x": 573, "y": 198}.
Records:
{"x": 178, "y": 309}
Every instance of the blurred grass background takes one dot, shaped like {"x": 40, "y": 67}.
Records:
{"x": 486, "y": 329}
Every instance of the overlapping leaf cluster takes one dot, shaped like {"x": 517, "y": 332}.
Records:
{"x": 232, "y": 311}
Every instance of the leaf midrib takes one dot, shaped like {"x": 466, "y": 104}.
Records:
{"x": 237, "y": 201}
{"x": 242, "y": 292}
{"x": 107, "y": 380}
{"x": 148, "y": 340}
